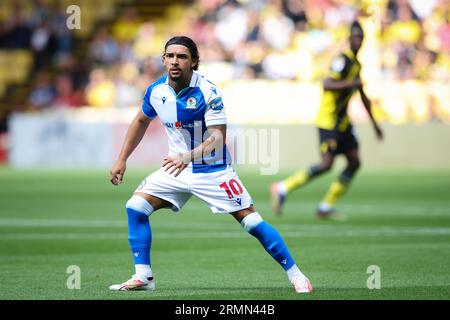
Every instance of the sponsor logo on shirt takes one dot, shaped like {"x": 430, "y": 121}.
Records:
{"x": 181, "y": 125}
{"x": 216, "y": 104}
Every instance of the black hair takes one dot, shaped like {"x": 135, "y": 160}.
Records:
{"x": 188, "y": 43}
{"x": 356, "y": 28}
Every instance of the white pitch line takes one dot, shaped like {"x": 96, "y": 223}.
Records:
{"x": 377, "y": 209}
{"x": 325, "y": 233}
{"x": 119, "y": 223}
{"x": 7, "y": 222}
{"x": 166, "y": 226}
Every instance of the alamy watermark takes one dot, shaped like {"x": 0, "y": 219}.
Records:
{"x": 374, "y": 280}
{"x": 260, "y": 147}
{"x": 74, "y": 278}
{"x": 256, "y": 147}
{"x": 74, "y": 19}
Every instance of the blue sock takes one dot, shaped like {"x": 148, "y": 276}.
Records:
{"x": 139, "y": 236}
{"x": 273, "y": 243}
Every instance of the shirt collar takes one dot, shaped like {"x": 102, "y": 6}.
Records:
{"x": 194, "y": 79}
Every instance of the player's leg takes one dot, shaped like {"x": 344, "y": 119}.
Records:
{"x": 139, "y": 208}
{"x": 279, "y": 190}
{"x": 341, "y": 185}
{"x": 224, "y": 192}
{"x": 302, "y": 177}
{"x": 274, "y": 244}
{"x": 159, "y": 190}
{"x": 349, "y": 146}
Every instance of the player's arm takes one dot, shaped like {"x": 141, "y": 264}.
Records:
{"x": 368, "y": 105}
{"x": 134, "y": 135}
{"x": 335, "y": 85}
{"x": 215, "y": 141}
{"x": 336, "y": 78}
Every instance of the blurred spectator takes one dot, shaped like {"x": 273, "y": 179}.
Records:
{"x": 150, "y": 71}
{"x": 405, "y": 28}
{"x": 126, "y": 52}
{"x": 41, "y": 12}
{"x": 423, "y": 9}
{"x": 127, "y": 26}
{"x": 2, "y": 36}
{"x": 209, "y": 9}
{"x": 43, "y": 44}
{"x": 253, "y": 26}
{"x": 443, "y": 34}
{"x": 43, "y": 93}
{"x": 16, "y": 33}
{"x": 145, "y": 45}
{"x": 62, "y": 34}
{"x": 75, "y": 69}
{"x": 407, "y": 40}
{"x": 100, "y": 91}
{"x": 66, "y": 96}
{"x": 231, "y": 27}
{"x": 277, "y": 29}
{"x": 295, "y": 10}
{"x": 127, "y": 92}
{"x": 104, "y": 50}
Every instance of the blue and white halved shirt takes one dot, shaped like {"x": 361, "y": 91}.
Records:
{"x": 186, "y": 116}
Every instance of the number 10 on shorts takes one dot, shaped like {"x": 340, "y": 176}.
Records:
{"x": 232, "y": 187}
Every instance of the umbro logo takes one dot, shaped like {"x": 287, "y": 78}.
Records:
{"x": 213, "y": 89}
{"x": 284, "y": 261}
{"x": 163, "y": 99}
{"x": 136, "y": 254}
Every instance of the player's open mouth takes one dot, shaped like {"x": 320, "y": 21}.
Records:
{"x": 175, "y": 71}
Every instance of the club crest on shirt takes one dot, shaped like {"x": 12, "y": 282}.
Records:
{"x": 191, "y": 103}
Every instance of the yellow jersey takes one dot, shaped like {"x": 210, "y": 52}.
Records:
{"x": 333, "y": 109}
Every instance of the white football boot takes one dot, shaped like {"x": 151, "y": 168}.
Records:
{"x": 326, "y": 211}
{"x": 135, "y": 283}
{"x": 302, "y": 284}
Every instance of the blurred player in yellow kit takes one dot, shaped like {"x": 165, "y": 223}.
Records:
{"x": 335, "y": 130}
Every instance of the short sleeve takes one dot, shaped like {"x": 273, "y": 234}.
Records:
{"x": 338, "y": 67}
{"x": 147, "y": 108}
{"x": 215, "y": 113}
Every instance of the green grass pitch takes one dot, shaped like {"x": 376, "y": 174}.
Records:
{"x": 397, "y": 220}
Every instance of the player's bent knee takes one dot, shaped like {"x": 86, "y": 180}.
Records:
{"x": 251, "y": 221}
{"x": 325, "y": 166}
{"x": 139, "y": 204}
{"x": 354, "y": 165}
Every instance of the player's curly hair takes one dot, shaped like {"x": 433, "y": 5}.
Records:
{"x": 188, "y": 43}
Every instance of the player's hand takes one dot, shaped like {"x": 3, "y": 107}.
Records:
{"x": 379, "y": 133}
{"x": 357, "y": 83}
{"x": 176, "y": 163}
{"x": 117, "y": 172}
